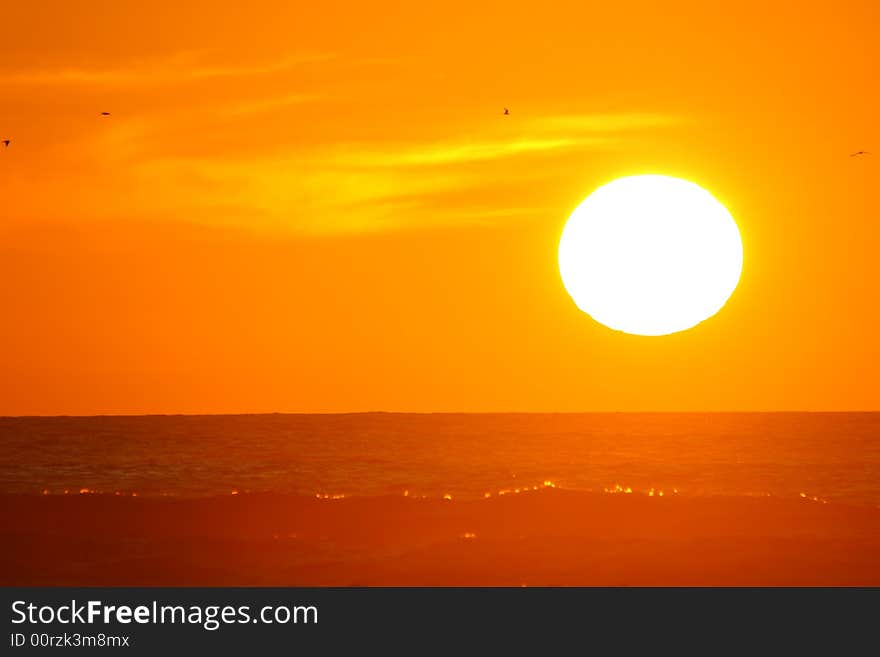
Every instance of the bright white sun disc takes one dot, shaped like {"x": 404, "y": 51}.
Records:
{"x": 650, "y": 255}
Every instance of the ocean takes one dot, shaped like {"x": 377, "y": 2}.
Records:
{"x": 829, "y": 456}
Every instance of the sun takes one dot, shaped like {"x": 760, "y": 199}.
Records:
{"x": 650, "y": 255}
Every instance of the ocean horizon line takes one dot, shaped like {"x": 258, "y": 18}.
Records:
{"x": 436, "y": 413}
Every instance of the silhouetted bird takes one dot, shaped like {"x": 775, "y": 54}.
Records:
{"x": 506, "y": 111}
{"x": 859, "y": 153}
{"x": 6, "y": 143}
{"x": 105, "y": 113}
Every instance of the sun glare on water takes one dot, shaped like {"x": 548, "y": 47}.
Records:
{"x": 650, "y": 255}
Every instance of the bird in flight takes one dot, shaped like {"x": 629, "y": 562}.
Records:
{"x": 105, "y": 113}
{"x": 506, "y": 112}
{"x": 859, "y": 153}
{"x": 6, "y": 143}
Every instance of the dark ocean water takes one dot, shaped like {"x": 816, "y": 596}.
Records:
{"x": 833, "y": 456}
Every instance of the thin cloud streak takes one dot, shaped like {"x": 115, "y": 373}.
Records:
{"x": 555, "y": 133}
{"x": 452, "y": 153}
{"x": 604, "y": 123}
{"x": 269, "y": 104}
{"x": 172, "y": 70}
{"x": 342, "y": 187}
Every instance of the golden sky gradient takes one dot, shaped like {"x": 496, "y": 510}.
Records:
{"x": 320, "y": 207}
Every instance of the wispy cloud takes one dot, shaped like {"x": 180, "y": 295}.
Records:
{"x": 448, "y": 153}
{"x": 533, "y": 136}
{"x": 180, "y": 68}
{"x": 601, "y": 123}
{"x": 259, "y": 105}
{"x": 176, "y": 166}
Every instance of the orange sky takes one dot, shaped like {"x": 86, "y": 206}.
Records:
{"x": 319, "y": 207}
